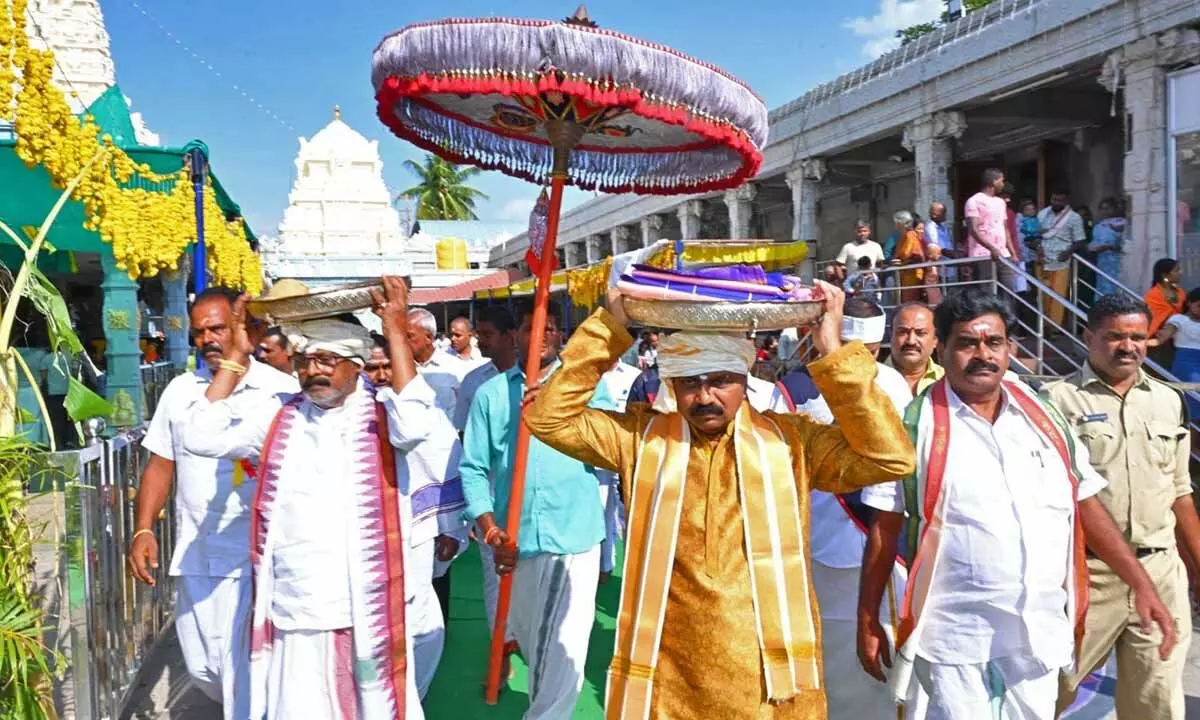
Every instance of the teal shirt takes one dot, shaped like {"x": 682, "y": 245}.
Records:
{"x": 561, "y": 512}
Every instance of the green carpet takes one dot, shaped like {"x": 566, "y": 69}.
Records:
{"x": 457, "y": 692}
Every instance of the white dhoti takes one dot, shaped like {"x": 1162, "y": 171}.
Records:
{"x": 1003, "y": 689}
{"x": 553, "y": 608}
{"x": 610, "y": 498}
{"x": 311, "y": 676}
{"x": 852, "y": 694}
{"x": 423, "y": 614}
{"x": 212, "y": 616}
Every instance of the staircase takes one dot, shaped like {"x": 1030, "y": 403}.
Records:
{"x": 1045, "y": 350}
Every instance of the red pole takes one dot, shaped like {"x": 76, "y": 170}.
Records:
{"x": 533, "y": 368}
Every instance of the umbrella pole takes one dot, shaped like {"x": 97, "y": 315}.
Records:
{"x": 563, "y": 135}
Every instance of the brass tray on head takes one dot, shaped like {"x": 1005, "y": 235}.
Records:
{"x": 311, "y": 306}
{"x": 722, "y": 315}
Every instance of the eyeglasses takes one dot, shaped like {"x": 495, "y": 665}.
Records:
{"x": 323, "y": 361}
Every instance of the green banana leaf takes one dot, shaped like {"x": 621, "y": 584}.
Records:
{"x": 83, "y": 404}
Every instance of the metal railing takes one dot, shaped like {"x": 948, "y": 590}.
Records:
{"x": 108, "y": 622}
{"x": 1053, "y": 348}
{"x": 155, "y": 377}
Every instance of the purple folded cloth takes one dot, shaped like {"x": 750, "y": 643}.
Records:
{"x": 736, "y": 273}
{"x": 737, "y": 283}
{"x": 708, "y": 289}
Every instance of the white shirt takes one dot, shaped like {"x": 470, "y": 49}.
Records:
{"x": 1059, "y": 233}
{"x": 443, "y": 372}
{"x": 764, "y": 396}
{"x": 310, "y": 531}
{"x": 853, "y": 250}
{"x": 835, "y": 541}
{"x": 999, "y": 584}
{"x": 1187, "y": 332}
{"x": 212, "y": 533}
{"x": 470, "y": 385}
{"x": 620, "y": 382}
{"x": 473, "y": 355}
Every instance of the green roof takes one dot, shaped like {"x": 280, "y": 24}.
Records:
{"x": 28, "y": 193}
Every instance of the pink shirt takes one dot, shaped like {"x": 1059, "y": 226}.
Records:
{"x": 991, "y": 213}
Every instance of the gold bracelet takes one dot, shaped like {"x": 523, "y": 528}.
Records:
{"x": 231, "y": 366}
{"x": 492, "y": 531}
{"x": 143, "y": 531}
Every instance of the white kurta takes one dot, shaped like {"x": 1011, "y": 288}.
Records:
{"x": 997, "y": 604}
{"x": 211, "y": 558}
{"x": 444, "y": 374}
{"x": 310, "y": 535}
{"x": 837, "y": 545}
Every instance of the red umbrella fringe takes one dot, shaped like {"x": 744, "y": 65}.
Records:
{"x": 394, "y": 89}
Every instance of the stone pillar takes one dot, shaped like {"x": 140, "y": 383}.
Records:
{"x": 123, "y": 378}
{"x": 175, "y": 289}
{"x": 1139, "y": 68}
{"x": 571, "y": 254}
{"x": 620, "y": 237}
{"x": 804, "y": 178}
{"x": 740, "y": 202}
{"x": 594, "y": 249}
{"x": 652, "y": 226}
{"x": 689, "y": 219}
{"x": 931, "y": 141}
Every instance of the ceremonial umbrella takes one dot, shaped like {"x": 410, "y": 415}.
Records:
{"x": 558, "y": 103}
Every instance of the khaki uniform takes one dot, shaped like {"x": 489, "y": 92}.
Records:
{"x": 1140, "y": 444}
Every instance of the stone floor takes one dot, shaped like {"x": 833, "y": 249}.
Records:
{"x": 165, "y": 691}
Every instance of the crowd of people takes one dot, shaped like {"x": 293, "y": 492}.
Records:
{"x": 925, "y": 530}
{"x": 996, "y": 223}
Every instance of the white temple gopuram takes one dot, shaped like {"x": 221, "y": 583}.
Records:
{"x": 341, "y": 227}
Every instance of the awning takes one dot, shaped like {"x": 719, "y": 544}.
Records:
{"x": 465, "y": 290}
{"x": 29, "y": 193}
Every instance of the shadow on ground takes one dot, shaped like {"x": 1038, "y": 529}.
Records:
{"x": 164, "y": 690}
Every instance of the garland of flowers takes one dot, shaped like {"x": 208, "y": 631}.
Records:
{"x": 142, "y": 214}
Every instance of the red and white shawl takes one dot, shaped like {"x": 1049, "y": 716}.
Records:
{"x": 377, "y": 564}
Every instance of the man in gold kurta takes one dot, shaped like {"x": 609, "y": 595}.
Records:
{"x": 702, "y": 632}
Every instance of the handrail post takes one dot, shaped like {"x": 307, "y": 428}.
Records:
{"x": 1041, "y": 331}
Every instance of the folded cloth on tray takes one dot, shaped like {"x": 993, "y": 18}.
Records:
{"x": 734, "y": 283}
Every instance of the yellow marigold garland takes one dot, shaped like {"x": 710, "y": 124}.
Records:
{"x": 145, "y": 216}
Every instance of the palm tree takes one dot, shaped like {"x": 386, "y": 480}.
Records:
{"x": 443, "y": 192}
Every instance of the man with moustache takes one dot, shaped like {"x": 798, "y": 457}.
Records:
{"x": 356, "y": 494}
{"x": 912, "y": 344}
{"x": 557, "y": 563}
{"x": 704, "y": 631}
{"x": 211, "y": 565}
{"x": 1136, "y": 431}
{"x": 275, "y": 350}
{"x": 1002, "y": 508}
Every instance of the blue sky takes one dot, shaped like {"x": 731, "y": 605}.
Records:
{"x": 300, "y": 58}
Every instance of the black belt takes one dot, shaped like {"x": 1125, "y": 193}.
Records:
{"x": 1141, "y": 552}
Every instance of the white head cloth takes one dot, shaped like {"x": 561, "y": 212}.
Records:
{"x": 868, "y": 330}
{"x": 339, "y": 337}
{"x": 687, "y": 354}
